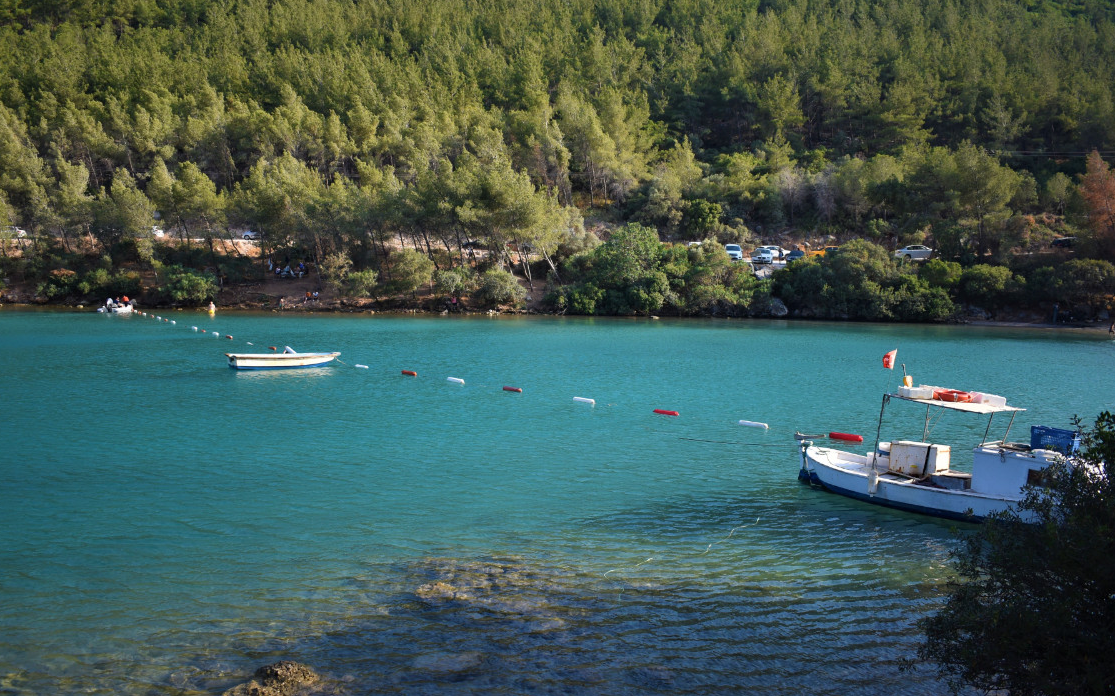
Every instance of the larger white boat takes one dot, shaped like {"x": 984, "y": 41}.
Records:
{"x": 916, "y": 475}
{"x": 287, "y": 359}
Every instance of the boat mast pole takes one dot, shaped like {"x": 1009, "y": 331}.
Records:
{"x": 878, "y": 430}
{"x": 925, "y": 428}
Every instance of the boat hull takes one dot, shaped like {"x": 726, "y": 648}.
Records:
{"x": 849, "y": 475}
{"x": 278, "y": 361}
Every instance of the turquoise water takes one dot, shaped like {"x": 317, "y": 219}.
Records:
{"x": 169, "y": 524}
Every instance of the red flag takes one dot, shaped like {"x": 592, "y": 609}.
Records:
{"x": 888, "y": 359}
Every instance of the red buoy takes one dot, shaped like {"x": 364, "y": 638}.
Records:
{"x": 410, "y": 373}
{"x": 664, "y": 412}
{"x": 847, "y": 437}
{"x": 228, "y": 337}
{"x": 514, "y": 389}
{"x": 272, "y": 348}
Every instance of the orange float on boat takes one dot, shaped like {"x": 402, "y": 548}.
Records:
{"x": 410, "y": 373}
{"x": 513, "y": 389}
{"x": 846, "y": 437}
{"x": 952, "y": 395}
{"x": 664, "y": 412}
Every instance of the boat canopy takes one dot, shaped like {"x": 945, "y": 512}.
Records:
{"x": 981, "y": 409}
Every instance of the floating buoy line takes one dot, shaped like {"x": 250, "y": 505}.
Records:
{"x": 840, "y": 437}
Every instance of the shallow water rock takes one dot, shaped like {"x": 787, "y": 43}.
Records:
{"x": 441, "y": 592}
{"x": 778, "y": 308}
{"x": 286, "y": 678}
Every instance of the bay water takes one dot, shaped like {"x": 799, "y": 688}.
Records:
{"x": 167, "y": 524}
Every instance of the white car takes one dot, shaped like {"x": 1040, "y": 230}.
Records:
{"x": 776, "y": 251}
{"x": 762, "y": 255}
{"x": 157, "y": 232}
{"x": 735, "y": 253}
{"x": 16, "y": 231}
{"x": 251, "y": 235}
{"x": 914, "y": 252}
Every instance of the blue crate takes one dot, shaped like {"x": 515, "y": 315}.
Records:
{"x": 1063, "y": 441}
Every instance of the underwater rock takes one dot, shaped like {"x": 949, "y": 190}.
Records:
{"x": 284, "y": 678}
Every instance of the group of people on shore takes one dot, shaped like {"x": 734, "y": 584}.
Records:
{"x": 310, "y": 297}
{"x": 284, "y": 269}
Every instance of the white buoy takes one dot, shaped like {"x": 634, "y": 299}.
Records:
{"x": 173, "y": 322}
{"x": 455, "y": 380}
{"x": 754, "y": 424}
{"x": 362, "y": 367}
{"x": 194, "y": 328}
{"x": 250, "y": 343}
{"x": 216, "y": 335}
{"x": 583, "y": 400}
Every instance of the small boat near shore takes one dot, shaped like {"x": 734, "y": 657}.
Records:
{"x": 916, "y": 475}
{"x": 287, "y": 359}
{"x": 116, "y": 309}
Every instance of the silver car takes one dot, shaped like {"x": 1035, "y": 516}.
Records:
{"x": 914, "y": 252}
{"x": 735, "y": 253}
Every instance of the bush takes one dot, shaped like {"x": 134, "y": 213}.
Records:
{"x": 986, "y": 285}
{"x": 409, "y": 270}
{"x": 498, "y": 287}
{"x": 361, "y": 283}
{"x": 183, "y": 285}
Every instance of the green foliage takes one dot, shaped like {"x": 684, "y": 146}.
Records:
{"x": 940, "y": 274}
{"x": 409, "y": 270}
{"x": 1033, "y": 612}
{"x": 453, "y": 282}
{"x": 361, "y": 283}
{"x": 184, "y": 286}
{"x": 335, "y": 269}
{"x": 985, "y": 285}
{"x": 498, "y": 287}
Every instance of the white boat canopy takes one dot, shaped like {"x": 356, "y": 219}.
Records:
{"x": 981, "y": 409}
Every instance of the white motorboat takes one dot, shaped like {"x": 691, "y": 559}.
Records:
{"x": 916, "y": 475}
{"x": 287, "y": 359}
{"x": 116, "y": 309}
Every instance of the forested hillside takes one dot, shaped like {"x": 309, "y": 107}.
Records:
{"x": 338, "y": 128}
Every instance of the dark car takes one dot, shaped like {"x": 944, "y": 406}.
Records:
{"x": 1063, "y": 242}
{"x": 795, "y": 255}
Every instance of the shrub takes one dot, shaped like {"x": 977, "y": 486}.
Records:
{"x": 183, "y": 285}
{"x": 498, "y": 287}
{"x": 361, "y": 283}
{"x": 410, "y": 270}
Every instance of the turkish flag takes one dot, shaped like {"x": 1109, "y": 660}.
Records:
{"x": 888, "y": 359}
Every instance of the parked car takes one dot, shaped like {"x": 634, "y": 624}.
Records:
{"x": 735, "y": 253}
{"x": 776, "y": 251}
{"x": 157, "y": 232}
{"x": 1063, "y": 242}
{"x": 251, "y": 235}
{"x": 830, "y": 249}
{"x": 762, "y": 255}
{"x": 914, "y": 252}
{"x": 16, "y": 232}
{"x": 795, "y": 255}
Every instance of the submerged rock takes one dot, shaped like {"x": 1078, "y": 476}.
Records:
{"x": 284, "y": 678}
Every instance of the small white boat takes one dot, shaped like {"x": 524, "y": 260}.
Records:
{"x": 916, "y": 476}
{"x": 287, "y": 359}
{"x": 117, "y": 309}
